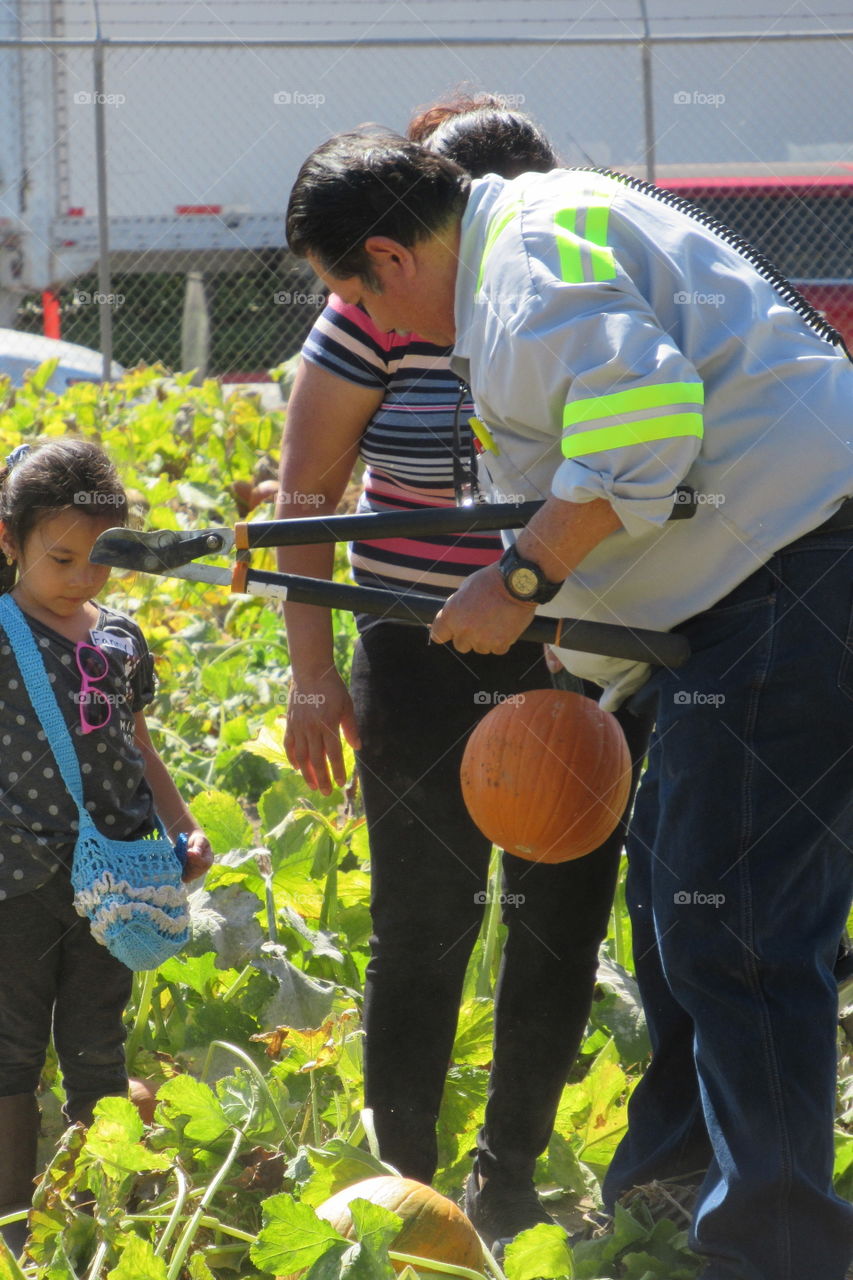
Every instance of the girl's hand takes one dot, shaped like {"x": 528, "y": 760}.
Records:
{"x": 318, "y": 711}
{"x": 199, "y": 856}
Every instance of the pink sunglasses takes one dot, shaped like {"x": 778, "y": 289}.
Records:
{"x": 93, "y": 665}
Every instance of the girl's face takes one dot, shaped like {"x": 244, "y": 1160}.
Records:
{"x": 55, "y": 577}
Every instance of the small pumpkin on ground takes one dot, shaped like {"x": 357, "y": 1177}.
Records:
{"x": 433, "y": 1226}
{"x": 143, "y": 1095}
{"x": 249, "y": 494}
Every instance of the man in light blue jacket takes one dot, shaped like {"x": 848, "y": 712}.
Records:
{"x": 619, "y": 345}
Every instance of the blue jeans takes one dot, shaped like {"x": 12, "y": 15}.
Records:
{"x": 740, "y": 882}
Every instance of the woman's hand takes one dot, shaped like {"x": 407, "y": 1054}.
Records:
{"x": 199, "y": 856}
{"x": 318, "y": 711}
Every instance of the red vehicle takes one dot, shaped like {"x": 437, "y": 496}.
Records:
{"x": 801, "y": 220}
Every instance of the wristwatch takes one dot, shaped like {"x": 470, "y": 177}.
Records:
{"x": 524, "y": 580}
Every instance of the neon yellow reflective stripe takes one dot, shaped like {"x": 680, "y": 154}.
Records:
{"x": 597, "y": 216}
{"x": 603, "y": 266}
{"x": 584, "y": 255}
{"x": 568, "y": 246}
{"x": 496, "y": 226}
{"x": 644, "y": 431}
{"x": 657, "y": 396}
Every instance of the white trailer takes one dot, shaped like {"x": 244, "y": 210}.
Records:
{"x": 183, "y": 126}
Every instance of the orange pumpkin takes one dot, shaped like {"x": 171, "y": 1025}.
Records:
{"x": 248, "y": 495}
{"x": 546, "y": 775}
{"x": 143, "y": 1095}
{"x": 433, "y": 1226}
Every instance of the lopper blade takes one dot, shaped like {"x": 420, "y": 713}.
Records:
{"x": 159, "y": 550}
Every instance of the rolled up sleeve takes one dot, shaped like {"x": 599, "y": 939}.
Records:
{"x": 632, "y": 422}
{"x": 591, "y": 364}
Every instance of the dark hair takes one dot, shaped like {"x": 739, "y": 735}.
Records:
{"x": 493, "y": 140}
{"x": 426, "y": 120}
{"x": 357, "y": 185}
{"x": 57, "y": 475}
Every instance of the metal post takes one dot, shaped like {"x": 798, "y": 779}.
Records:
{"x": 648, "y": 94}
{"x": 105, "y": 314}
{"x": 195, "y": 328}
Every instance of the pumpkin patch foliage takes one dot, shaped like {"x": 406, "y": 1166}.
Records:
{"x": 249, "y": 1043}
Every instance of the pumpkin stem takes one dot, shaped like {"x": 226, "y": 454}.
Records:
{"x": 433, "y": 1264}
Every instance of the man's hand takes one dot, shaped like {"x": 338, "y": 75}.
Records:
{"x": 482, "y": 615}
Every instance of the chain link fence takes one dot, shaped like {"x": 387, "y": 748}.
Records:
{"x": 144, "y": 170}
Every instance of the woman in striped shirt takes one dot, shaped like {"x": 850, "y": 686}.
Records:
{"x": 391, "y": 400}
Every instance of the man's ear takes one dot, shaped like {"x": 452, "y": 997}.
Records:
{"x": 387, "y": 255}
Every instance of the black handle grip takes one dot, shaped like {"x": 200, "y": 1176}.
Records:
{"x": 390, "y": 524}
{"x": 431, "y": 522}
{"x": 660, "y": 648}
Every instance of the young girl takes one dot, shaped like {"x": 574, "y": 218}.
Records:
{"x": 55, "y": 499}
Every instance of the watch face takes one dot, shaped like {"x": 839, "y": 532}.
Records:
{"x": 523, "y": 582}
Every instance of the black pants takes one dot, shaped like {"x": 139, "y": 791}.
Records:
{"x": 55, "y": 977}
{"x": 416, "y": 703}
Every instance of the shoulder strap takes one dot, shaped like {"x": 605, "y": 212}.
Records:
{"x": 43, "y": 698}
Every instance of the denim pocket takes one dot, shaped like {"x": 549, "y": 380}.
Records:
{"x": 733, "y": 617}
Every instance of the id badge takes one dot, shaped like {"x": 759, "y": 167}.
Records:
{"x": 109, "y": 640}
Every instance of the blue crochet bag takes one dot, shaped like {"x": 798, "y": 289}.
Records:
{"x": 131, "y": 890}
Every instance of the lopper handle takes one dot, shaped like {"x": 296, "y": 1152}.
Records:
{"x": 432, "y": 521}
{"x": 481, "y": 517}
{"x": 659, "y": 648}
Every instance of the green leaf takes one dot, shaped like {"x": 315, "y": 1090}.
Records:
{"x": 621, "y": 1012}
{"x": 595, "y": 1258}
{"x": 223, "y": 921}
{"x": 648, "y": 1266}
{"x": 9, "y": 1269}
{"x": 277, "y": 802}
{"x": 198, "y": 1268}
{"x": 567, "y": 1171}
{"x": 234, "y": 732}
{"x": 202, "y": 499}
{"x": 462, "y": 1106}
{"x": 198, "y": 973}
{"x": 114, "y": 1141}
{"x": 223, "y": 679}
{"x": 270, "y": 745}
{"x": 138, "y": 1259}
{"x": 337, "y": 1165}
{"x": 238, "y": 1097}
{"x": 593, "y": 1113}
{"x": 317, "y": 942}
{"x": 184, "y": 1096}
{"x": 843, "y": 1175}
{"x": 41, "y": 376}
{"x": 330, "y": 1266}
{"x": 223, "y": 820}
{"x": 539, "y": 1254}
{"x": 51, "y": 1253}
{"x": 374, "y": 1225}
{"x": 474, "y": 1032}
{"x": 300, "y": 1001}
{"x": 293, "y": 1237}
{"x": 361, "y": 1262}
